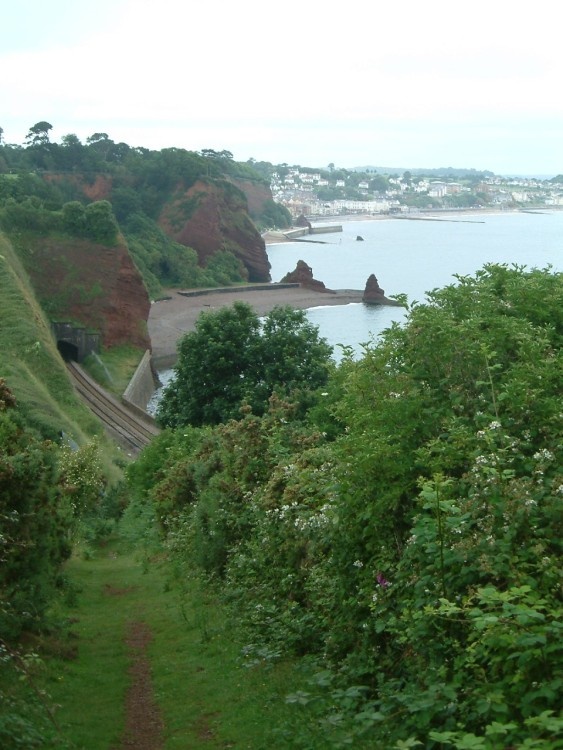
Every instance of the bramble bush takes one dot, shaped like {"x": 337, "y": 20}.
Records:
{"x": 46, "y": 491}
{"x": 34, "y": 538}
{"x": 414, "y": 550}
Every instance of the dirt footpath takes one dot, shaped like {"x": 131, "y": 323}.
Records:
{"x": 170, "y": 319}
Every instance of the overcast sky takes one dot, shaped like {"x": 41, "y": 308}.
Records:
{"x": 384, "y": 83}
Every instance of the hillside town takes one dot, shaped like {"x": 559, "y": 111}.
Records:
{"x": 343, "y": 192}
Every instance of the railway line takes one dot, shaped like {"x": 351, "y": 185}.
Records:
{"x": 130, "y": 427}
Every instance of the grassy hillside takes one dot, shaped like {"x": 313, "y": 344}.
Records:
{"x": 30, "y": 362}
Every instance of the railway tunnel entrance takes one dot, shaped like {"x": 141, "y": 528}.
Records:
{"x": 68, "y": 351}
{"x": 75, "y": 342}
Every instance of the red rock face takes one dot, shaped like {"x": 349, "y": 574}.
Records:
{"x": 127, "y": 308}
{"x": 302, "y": 221}
{"x": 96, "y": 286}
{"x": 373, "y": 292}
{"x": 210, "y": 217}
{"x": 375, "y": 295}
{"x": 257, "y": 194}
{"x": 98, "y": 190}
{"x": 303, "y": 274}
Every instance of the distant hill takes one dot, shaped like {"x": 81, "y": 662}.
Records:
{"x": 431, "y": 172}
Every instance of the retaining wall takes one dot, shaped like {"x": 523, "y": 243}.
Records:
{"x": 142, "y": 385}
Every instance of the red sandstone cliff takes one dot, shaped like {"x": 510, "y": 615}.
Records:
{"x": 257, "y": 195}
{"x": 214, "y": 216}
{"x": 96, "y": 189}
{"x": 96, "y": 286}
{"x": 209, "y": 216}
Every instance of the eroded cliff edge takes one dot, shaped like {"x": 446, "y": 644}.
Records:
{"x": 211, "y": 216}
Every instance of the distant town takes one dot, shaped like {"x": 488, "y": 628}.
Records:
{"x": 342, "y": 192}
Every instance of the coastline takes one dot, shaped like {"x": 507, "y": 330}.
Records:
{"x": 274, "y": 237}
{"x": 172, "y": 317}
{"x": 176, "y": 315}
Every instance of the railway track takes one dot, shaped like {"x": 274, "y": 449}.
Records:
{"x": 131, "y": 428}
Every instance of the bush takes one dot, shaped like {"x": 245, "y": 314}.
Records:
{"x": 34, "y": 523}
{"x": 232, "y": 359}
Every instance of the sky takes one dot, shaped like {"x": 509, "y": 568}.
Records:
{"x": 399, "y": 84}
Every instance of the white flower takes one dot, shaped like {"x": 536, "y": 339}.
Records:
{"x": 495, "y": 425}
{"x": 358, "y": 564}
{"x": 544, "y": 455}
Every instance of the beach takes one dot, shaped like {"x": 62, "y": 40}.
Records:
{"x": 172, "y": 317}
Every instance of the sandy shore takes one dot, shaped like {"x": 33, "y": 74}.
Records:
{"x": 170, "y": 319}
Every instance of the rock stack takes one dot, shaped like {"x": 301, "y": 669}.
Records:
{"x": 375, "y": 295}
{"x": 303, "y": 275}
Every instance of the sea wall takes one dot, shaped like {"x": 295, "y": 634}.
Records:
{"x": 236, "y": 289}
{"x": 142, "y": 385}
{"x": 326, "y": 229}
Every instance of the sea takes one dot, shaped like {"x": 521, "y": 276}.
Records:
{"x": 413, "y": 257}
{"x": 408, "y": 256}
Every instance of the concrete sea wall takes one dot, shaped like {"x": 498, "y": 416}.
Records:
{"x": 142, "y": 385}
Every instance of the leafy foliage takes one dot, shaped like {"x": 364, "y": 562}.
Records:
{"x": 43, "y": 179}
{"x": 33, "y": 523}
{"x": 231, "y": 359}
{"x": 45, "y": 489}
{"x": 415, "y": 550}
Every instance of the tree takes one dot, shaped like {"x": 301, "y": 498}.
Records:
{"x": 379, "y": 184}
{"x": 294, "y": 355}
{"x": 214, "y": 363}
{"x": 231, "y": 359}
{"x": 71, "y": 152}
{"x": 210, "y": 153}
{"x": 39, "y": 134}
{"x": 100, "y": 223}
{"x": 101, "y": 144}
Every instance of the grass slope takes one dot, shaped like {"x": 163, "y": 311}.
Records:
{"x": 30, "y": 362}
{"x": 206, "y": 698}
{"x": 36, "y": 374}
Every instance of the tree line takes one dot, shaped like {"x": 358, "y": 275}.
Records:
{"x": 43, "y": 187}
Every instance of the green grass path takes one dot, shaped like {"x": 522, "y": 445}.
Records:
{"x": 206, "y": 698}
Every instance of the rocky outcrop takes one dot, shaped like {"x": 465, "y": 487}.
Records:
{"x": 258, "y": 194}
{"x": 303, "y": 275}
{"x": 94, "y": 285}
{"x": 209, "y": 216}
{"x": 302, "y": 221}
{"x": 375, "y": 295}
{"x": 95, "y": 188}
{"x": 213, "y": 216}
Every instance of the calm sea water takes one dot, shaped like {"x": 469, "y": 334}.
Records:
{"x": 410, "y": 257}
{"x": 413, "y": 257}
